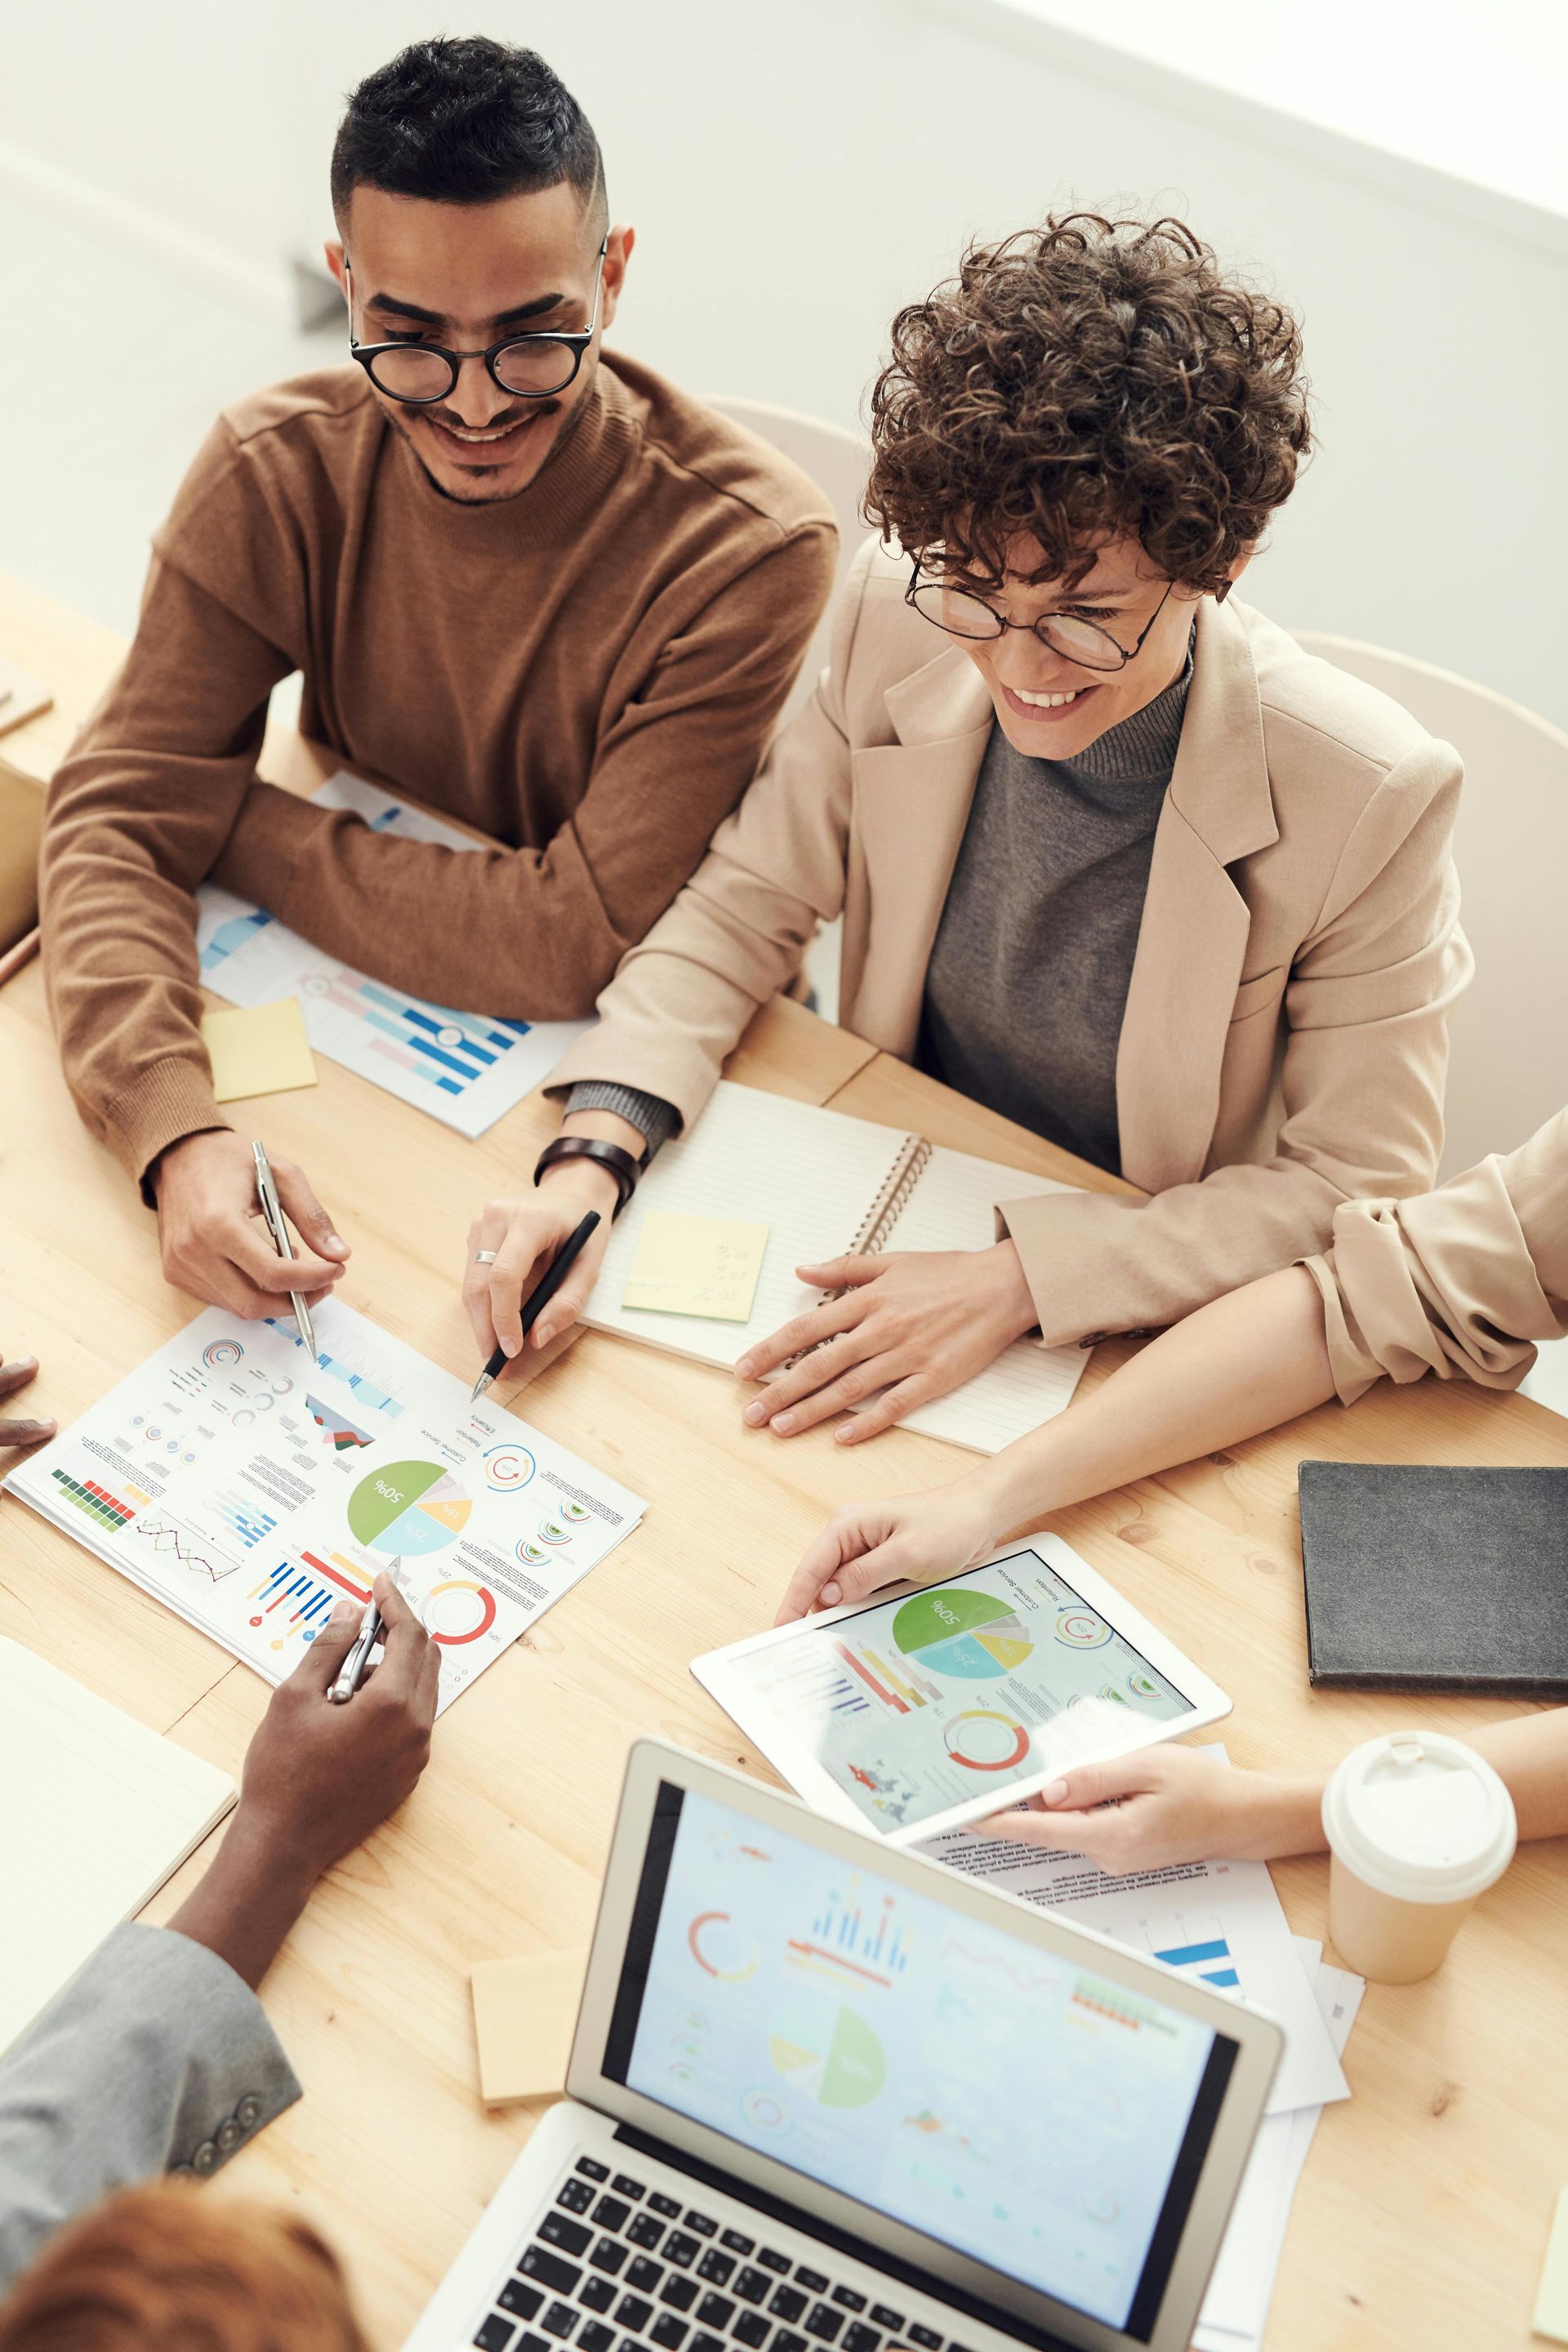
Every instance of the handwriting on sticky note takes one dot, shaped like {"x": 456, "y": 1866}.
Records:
{"x": 696, "y": 1266}
{"x": 259, "y": 1049}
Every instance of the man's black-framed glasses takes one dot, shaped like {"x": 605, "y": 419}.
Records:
{"x": 960, "y": 613}
{"x": 530, "y": 366}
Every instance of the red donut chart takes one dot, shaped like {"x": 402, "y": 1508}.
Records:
{"x": 1009, "y": 1739}
{"x": 486, "y": 1599}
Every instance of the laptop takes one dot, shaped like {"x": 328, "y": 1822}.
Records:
{"x": 829, "y": 2096}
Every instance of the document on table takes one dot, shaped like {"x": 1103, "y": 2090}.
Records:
{"x": 464, "y": 1068}
{"x": 1235, "y": 2307}
{"x": 249, "y": 1490}
{"x": 1219, "y": 1922}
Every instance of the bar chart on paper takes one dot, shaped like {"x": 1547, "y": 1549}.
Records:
{"x": 1196, "y": 1945}
{"x": 465, "y": 1068}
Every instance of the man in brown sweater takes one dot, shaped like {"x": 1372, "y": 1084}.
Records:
{"x": 530, "y": 584}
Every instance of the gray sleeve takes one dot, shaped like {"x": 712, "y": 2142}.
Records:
{"x": 654, "y": 1118}
{"x": 156, "y": 2057}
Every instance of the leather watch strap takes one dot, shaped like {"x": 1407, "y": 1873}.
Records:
{"x": 612, "y": 1156}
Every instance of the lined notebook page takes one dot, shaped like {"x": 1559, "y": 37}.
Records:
{"x": 808, "y": 1175}
{"x": 98, "y": 1811}
{"x": 954, "y": 1207}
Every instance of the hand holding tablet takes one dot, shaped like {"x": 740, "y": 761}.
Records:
{"x": 932, "y": 1708}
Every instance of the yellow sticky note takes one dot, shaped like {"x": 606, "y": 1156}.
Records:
{"x": 1551, "y": 2296}
{"x": 525, "y": 2012}
{"x": 696, "y": 1266}
{"x": 259, "y": 1049}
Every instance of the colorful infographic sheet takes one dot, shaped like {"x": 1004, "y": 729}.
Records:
{"x": 914, "y": 1706}
{"x": 464, "y": 1068}
{"x": 250, "y": 1489}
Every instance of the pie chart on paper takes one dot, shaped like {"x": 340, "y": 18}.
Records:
{"x": 408, "y": 1507}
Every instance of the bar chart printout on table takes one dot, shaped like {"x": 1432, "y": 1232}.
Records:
{"x": 251, "y": 1491}
{"x": 465, "y": 1068}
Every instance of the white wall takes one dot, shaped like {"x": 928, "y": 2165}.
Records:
{"x": 796, "y": 174}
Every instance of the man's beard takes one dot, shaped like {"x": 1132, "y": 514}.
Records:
{"x": 481, "y": 495}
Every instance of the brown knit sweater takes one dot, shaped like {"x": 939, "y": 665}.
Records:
{"x": 588, "y": 673}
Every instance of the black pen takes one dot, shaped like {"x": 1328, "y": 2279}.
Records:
{"x": 539, "y": 1298}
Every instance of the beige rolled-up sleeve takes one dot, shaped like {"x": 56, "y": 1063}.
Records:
{"x": 1462, "y": 1282}
{"x": 738, "y": 931}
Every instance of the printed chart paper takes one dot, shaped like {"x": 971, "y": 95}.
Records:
{"x": 1235, "y": 2307}
{"x": 250, "y": 1489}
{"x": 1219, "y": 1922}
{"x": 464, "y": 1068}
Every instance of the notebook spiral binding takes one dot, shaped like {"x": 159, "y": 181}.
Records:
{"x": 897, "y": 1185}
{"x": 880, "y": 1219}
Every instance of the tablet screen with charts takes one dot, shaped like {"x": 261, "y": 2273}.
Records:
{"x": 914, "y": 1714}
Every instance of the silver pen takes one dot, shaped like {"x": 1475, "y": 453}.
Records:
{"x": 351, "y": 1673}
{"x": 272, "y": 1209}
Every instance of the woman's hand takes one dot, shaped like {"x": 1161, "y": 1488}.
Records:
{"x": 913, "y": 1537}
{"x": 1166, "y": 1805}
{"x": 525, "y": 1235}
{"x": 916, "y": 1324}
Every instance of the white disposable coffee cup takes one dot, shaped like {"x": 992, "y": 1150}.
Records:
{"x": 1418, "y": 1826}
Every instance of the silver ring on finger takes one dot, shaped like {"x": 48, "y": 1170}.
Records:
{"x": 485, "y": 1257}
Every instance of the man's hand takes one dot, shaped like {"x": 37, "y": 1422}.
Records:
{"x": 1167, "y": 1805}
{"x": 318, "y": 1780}
{"x": 525, "y": 1235}
{"x": 915, "y": 1324}
{"x": 910, "y": 1537}
{"x": 214, "y": 1239}
{"x": 18, "y": 1430}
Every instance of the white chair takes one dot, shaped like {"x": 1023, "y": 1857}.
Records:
{"x": 1510, "y": 1067}
{"x": 838, "y": 463}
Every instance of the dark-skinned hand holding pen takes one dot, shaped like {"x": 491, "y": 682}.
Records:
{"x": 318, "y": 1780}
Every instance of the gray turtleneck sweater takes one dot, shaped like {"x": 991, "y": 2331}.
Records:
{"x": 1029, "y": 973}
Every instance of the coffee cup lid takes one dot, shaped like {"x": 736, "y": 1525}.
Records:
{"x": 1421, "y": 1817}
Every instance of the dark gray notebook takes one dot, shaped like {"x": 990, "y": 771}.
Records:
{"x": 1434, "y": 1579}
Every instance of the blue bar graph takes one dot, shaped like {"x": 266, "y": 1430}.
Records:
{"x": 1211, "y": 1961}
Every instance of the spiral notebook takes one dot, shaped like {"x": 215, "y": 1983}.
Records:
{"x": 825, "y": 1184}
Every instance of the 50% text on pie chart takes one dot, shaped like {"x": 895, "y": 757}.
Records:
{"x": 410, "y": 1509}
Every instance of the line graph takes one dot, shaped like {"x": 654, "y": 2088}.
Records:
{"x": 166, "y": 1536}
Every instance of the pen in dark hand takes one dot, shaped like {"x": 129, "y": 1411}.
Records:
{"x": 540, "y": 1297}
{"x": 351, "y": 1673}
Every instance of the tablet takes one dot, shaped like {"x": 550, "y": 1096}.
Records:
{"x": 944, "y": 1703}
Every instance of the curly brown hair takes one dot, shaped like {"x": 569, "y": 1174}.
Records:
{"x": 1093, "y": 379}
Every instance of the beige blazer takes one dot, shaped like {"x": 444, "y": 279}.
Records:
{"x": 1285, "y": 1041}
{"x": 1461, "y": 1281}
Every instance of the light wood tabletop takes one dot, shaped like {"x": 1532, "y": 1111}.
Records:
{"x": 1422, "y": 2216}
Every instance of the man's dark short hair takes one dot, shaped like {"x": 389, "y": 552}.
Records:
{"x": 466, "y": 122}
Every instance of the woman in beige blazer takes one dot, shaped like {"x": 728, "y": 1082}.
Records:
{"x": 1460, "y": 1283}
{"x": 1087, "y": 478}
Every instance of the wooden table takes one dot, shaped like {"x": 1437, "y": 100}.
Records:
{"x": 1422, "y": 2216}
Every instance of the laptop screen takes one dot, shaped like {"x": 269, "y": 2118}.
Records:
{"x": 1003, "y": 2099}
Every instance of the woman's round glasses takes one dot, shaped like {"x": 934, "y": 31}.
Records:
{"x": 530, "y": 366}
{"x": 961, "y": 615}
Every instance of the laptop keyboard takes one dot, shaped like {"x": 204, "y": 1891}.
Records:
{"x": 615, "y": 2266}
